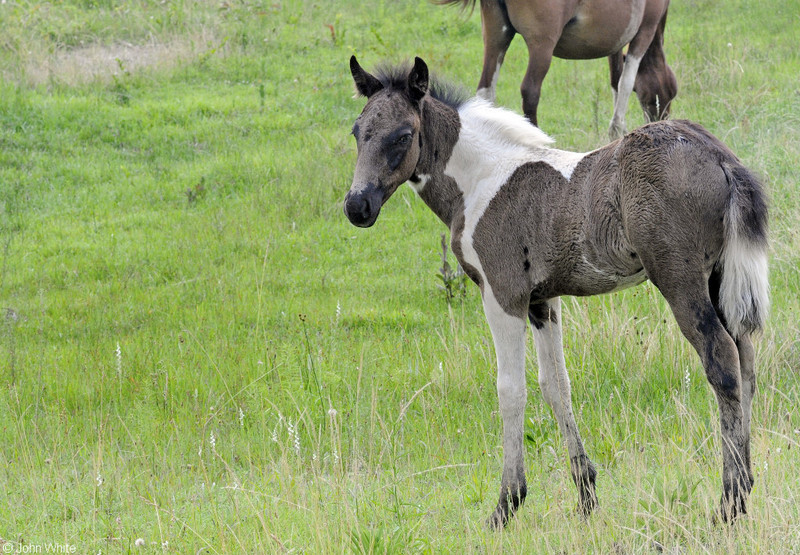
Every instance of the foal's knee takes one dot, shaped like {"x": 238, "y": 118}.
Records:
{"x": 511, "y": 393}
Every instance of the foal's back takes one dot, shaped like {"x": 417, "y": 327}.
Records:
{"x": 655, "y": 198}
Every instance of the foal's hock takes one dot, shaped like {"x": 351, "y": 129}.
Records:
{"x": 529, "y": 223}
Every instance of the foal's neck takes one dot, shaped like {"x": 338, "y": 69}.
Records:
{"x": 439, "y": 134}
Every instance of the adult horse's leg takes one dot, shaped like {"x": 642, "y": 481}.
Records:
{"x": 508, "y": 332}
{"x": 541, "y": 28}
{"x": 540, "y": 54}
{"x": 497, "y": 35}
{"x": 630, "y": 68}
{"x": 655, "y": 83}
{"x": 688, "y": 297}
{"x": 615, "y": 69}
{"x": 653, "y": 19}
{"x": 545, "y": 320}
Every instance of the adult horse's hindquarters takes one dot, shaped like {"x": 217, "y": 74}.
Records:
{"x": 581, "y": 30}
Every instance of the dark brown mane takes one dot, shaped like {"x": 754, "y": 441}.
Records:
{"x": 395, "y": 77}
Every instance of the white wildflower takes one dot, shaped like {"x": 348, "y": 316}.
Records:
{"x": 118, "y": 355}
{"x": 241, "y": 417}
{"x": 139, "y": 542}
{"x": 294, "y": 436}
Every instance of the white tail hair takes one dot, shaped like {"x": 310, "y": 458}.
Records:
{"x": 744, "y": 290}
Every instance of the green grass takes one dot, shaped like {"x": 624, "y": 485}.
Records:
{"x": 198, "y": 350}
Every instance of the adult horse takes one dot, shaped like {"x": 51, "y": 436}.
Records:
{"x": 529, "y": 223}
{"x": 580, "y": 30}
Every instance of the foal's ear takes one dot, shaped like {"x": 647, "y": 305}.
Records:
{"x": 418, "y": 80}
{"x": 366, "y": 84}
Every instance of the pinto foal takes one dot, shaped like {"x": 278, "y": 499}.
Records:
{"x": 530, "y": 223}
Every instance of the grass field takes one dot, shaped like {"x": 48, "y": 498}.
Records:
{"x": 198, "y": 353}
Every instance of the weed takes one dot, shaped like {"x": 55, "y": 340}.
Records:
{"x": 120, "y": 87}
{"x": 196, "y": 193}
{"x": 454, "y": 281}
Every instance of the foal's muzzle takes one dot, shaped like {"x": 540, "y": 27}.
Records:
{"x": 362, "y": 207}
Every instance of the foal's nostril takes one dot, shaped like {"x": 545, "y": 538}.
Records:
{"x": 365, "y": 211}
{"x": 362, "y": 207}
{"x": 357, "y": 208}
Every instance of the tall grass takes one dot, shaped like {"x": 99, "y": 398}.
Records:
{"x": 199, "y": 352}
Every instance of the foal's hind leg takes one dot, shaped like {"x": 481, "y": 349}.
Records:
{"x": 700, "y": 323}
{"x": 747, "y": 364}
{"x": 545, "y": 320}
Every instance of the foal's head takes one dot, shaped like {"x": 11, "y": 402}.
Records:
{"x": 387, "y": 138}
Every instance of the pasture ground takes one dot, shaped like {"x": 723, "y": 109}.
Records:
{"x": 198, "y": 351}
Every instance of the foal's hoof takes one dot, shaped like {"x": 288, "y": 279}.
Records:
{"x": 498, "y": 519}
{"x": 730, "y": 510}
{"x": 733, "y": 502}
{"x": 584, "y": 475}
{"x": 587, "y": 504}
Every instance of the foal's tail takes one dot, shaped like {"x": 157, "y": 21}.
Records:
{"x": 744, "y": 290}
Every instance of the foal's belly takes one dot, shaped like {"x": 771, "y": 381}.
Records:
{"x": 600, "y": 28}
{"x": 588, "y": 279}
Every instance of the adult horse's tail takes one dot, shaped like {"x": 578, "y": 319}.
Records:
{"x": 464, "y": 3}
{"x": 744, "y": 288}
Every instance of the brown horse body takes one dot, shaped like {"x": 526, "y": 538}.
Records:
{"x": 582, "y": 29}
{"x": 530, "y": 223}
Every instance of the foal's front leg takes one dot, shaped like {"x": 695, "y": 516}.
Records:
{"x": 508, "y": 332}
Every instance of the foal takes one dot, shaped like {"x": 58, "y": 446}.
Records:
{"x": 529, "y": 223}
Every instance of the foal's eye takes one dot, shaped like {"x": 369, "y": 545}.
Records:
{"x": 396, "y": 148}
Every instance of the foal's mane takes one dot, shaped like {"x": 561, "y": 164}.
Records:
{"x": 503, "y": 125}
{"x": 395, "y": 77}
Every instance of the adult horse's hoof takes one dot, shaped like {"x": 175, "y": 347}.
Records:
{"x": 616, "y": 131}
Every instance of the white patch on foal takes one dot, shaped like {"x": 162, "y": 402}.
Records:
{"x": 492, "y": 143}
{"x": 419, "y": 185}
